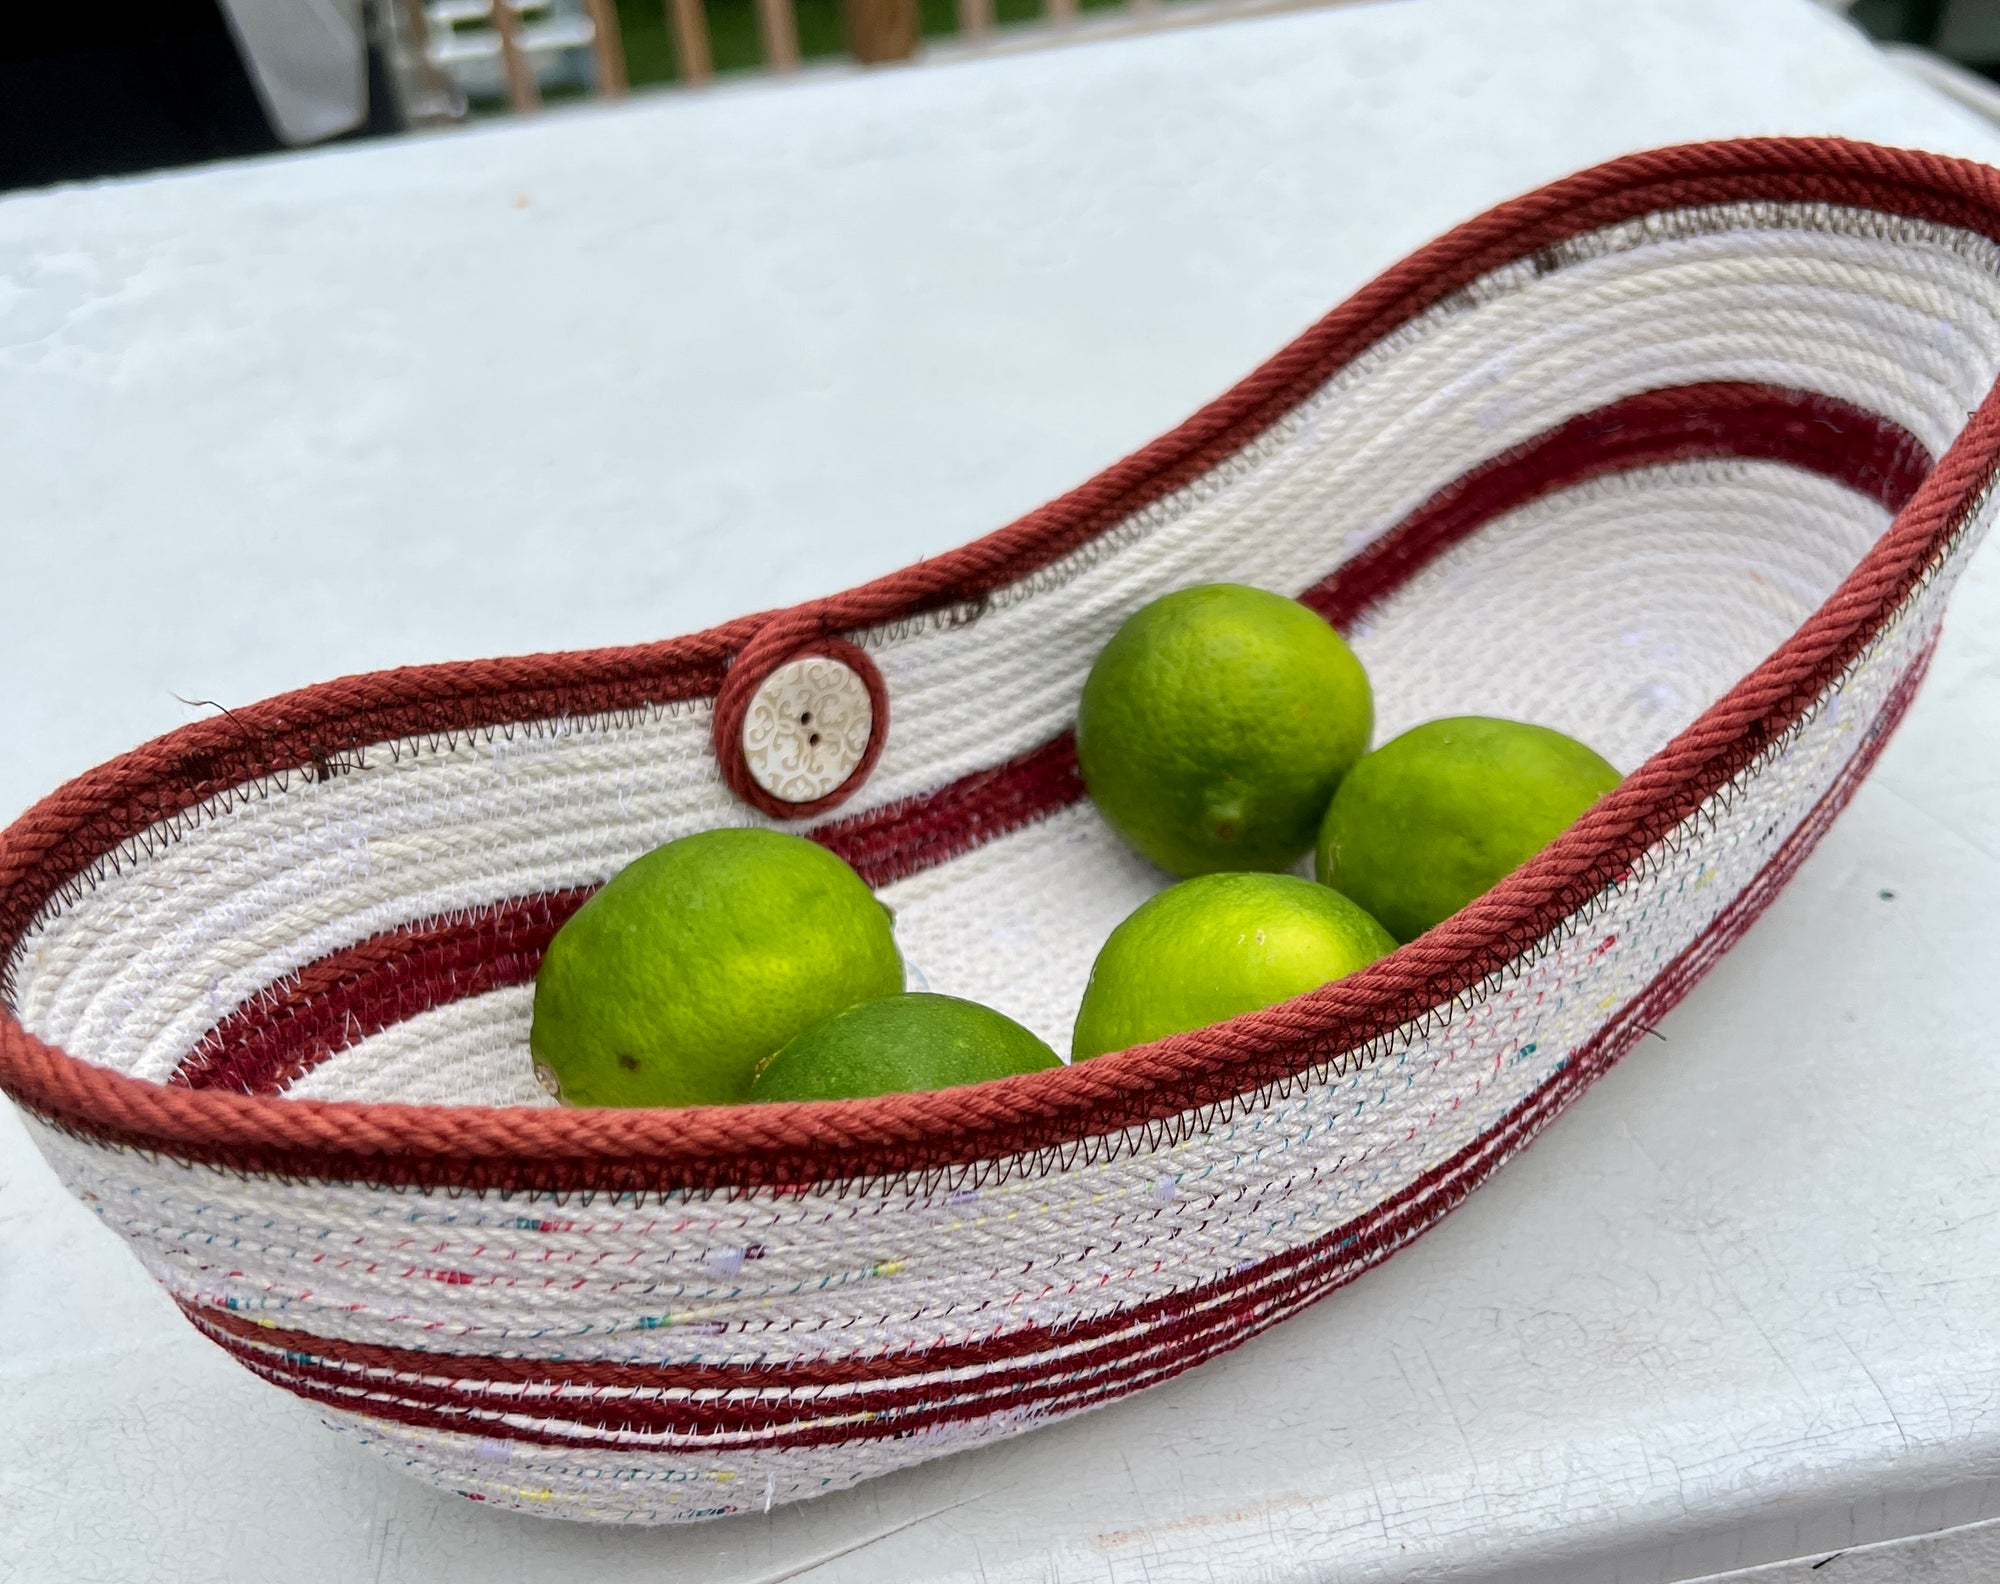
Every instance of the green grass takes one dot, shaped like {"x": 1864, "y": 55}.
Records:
{"x": 734, "y": 43}
{"x": 733, "y": 40}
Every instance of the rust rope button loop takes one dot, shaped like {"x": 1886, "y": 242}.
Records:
{"x": 800, "y": 721}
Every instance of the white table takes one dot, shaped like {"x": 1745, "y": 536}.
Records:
{"x": 618, "y": 373}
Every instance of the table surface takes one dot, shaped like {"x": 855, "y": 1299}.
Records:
{"x": 621, "y": 372}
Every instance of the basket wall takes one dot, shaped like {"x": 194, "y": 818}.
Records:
{"x": 1595, "y": 481}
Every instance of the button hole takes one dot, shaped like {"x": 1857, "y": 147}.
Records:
{"x": 813, "y": 740}
{"x": 806, "y": 719}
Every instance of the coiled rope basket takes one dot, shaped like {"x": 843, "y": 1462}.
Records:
{"x": 1680, "y": 455}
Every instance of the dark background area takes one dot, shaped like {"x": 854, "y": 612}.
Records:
{"x": 107, "y": 87}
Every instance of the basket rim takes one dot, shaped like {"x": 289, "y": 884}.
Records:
{"x": 273, "y": 1039}
{"x": 778, "y": 1145}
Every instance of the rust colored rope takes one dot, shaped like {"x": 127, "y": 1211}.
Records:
{"x": 314, "y": 732}
{"x": 318, "y": 730}
{"x": 288, "y": 1029}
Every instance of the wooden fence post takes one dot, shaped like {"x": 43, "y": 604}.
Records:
{"x": 778, "y": 26}
{"x": 690, "y": 25}
{"x": 607, "y": 48}
{"x": 523, "y": 92}
{"x": 880, "y": 30}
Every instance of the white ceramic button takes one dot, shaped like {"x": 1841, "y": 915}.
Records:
{"x": 807, "y": 728}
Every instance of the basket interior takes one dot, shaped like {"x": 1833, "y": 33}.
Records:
{"x": 1615, "y": 607}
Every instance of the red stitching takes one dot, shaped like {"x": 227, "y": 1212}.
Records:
{"x": 1765, "y": 423}
{"x": 473, "y": 1147}
{"x": 328, "y": 1005}
{"x": 1183, "y": 1330}
{"x": 290, "y": 1029}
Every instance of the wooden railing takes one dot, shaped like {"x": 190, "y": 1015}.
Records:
{"x": 515, "y": 32}
{"x": 508, "y": 42}
{"x": 877, "y": 30}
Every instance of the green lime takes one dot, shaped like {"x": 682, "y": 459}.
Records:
{"x": 699, "y": 960}
{"x": 1445, "y": 812}
{"x": 1212, "y": 947}
{"x": 900, "y": 1043}
{"x": 1216, "y": 724}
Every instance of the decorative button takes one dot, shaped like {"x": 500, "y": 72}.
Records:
{"x": 800, "y": 721}
{"x": 807, "y": 728}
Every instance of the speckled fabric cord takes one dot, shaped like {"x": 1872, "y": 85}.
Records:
{"x": 1680, "y": 455}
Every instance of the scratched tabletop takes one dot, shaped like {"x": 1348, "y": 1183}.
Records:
{"x": 615, "y": 373}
